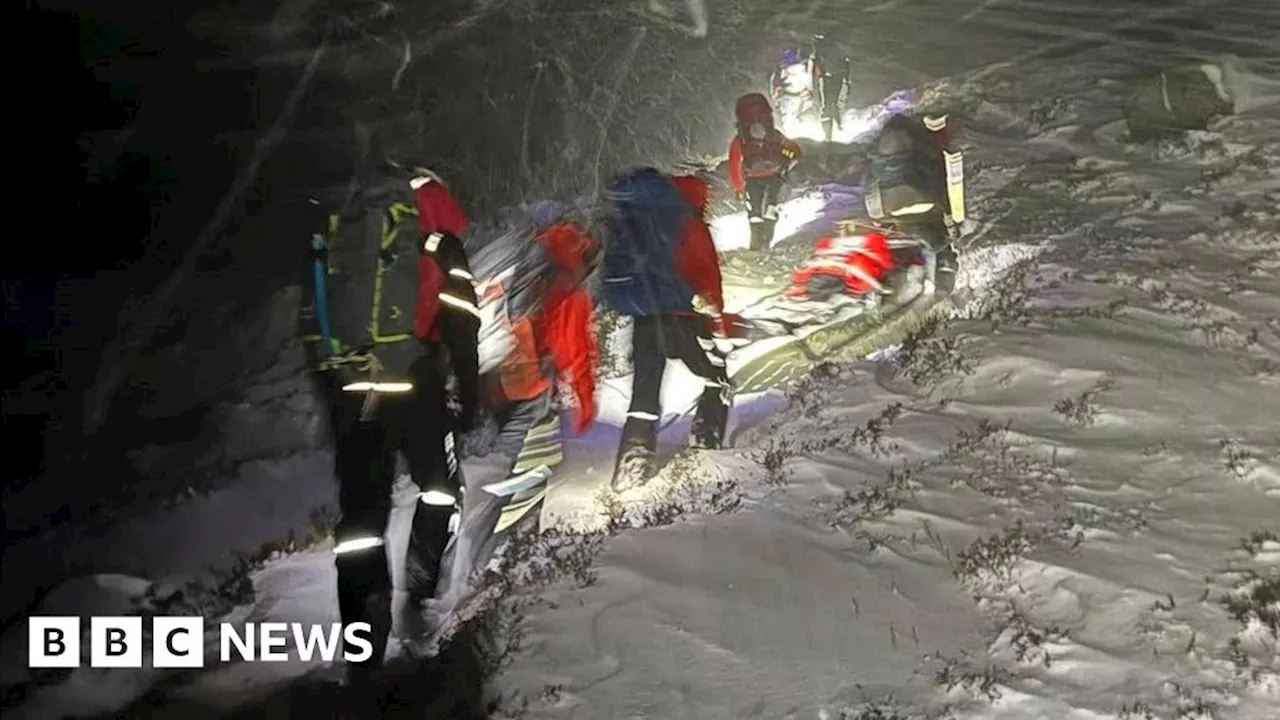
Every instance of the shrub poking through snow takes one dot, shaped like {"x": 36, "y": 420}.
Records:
{"x": 964, "y": 673}
{"x": 1260, "y": 541}
{"x": 773, "y": 459}
{"x": 232, "y": 587}
{"x": 1236, "y": 459}
{"x": 685, "y": 486}
{"x": 887, "y": 710}
{"x": 928, "y": 356}
{"x": 1082, "y": 409}
{"x": 1255, "y": 600}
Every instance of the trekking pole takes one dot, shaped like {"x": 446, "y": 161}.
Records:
{"x": 319, "y": 274}
{"x": 681, "y": 415}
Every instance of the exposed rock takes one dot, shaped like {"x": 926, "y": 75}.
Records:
{"x": 1179, "y": 99}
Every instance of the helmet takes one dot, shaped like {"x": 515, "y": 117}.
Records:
{"x": 546, "y": 213}
{"x": 790, "y": 56}
{"x": 900, "y": 101}
{"x": 418, "y": 173}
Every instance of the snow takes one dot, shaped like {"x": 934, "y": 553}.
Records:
{"x": 1050, "y": 508}
{"x": 733, "y": 232}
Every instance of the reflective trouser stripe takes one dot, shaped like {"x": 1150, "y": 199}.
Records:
{"x": 520, "y": 506}
{"x": 357, "y": 544}
{"x": 541, "y": 446}
{"x": 459, "y": 303}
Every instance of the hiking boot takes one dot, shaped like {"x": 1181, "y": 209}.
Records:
{"x": 947, "y": 268}
{"x": 416, "y": 627}
{"x": 635, "y": 468}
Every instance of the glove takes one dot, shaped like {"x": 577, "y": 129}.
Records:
{"x": 724, "y": 331}
{"x": 719, "y": 326}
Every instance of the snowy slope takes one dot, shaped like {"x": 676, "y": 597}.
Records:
{"x": 1052, "y": 511}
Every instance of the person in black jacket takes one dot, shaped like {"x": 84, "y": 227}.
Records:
{"x": 833, "y": 77}
{"x": 916, "y": 181}
{"x": 395, "y": 310}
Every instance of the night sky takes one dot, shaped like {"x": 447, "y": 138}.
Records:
{"x": 121, "y": 167}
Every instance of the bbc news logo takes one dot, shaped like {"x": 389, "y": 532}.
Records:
{"x": 179, "y": 642}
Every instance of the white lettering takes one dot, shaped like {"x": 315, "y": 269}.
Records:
{"x": 317, "y": 638}
{"x": 353, "y": 635}
{"x": 243, "y": 644}
{"x": 272, "y": 640}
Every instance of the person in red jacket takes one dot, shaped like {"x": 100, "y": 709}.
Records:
{"x": 690, "y": 337}
{"x": 850, "y": 262}
{"x": 759, "y": 158}
{"x": 541, "y": 306}
{"x": 396, "y": 312}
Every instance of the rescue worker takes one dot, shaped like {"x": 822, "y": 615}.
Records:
{"x": 540, "y": 303}
{"x": 916, "y": 182}
{"x": 660, "y": 221}
{"x": 759, "y": 159}
{"x": 833, "y": 78}
{"x": 850, "y": 262}
{"x": 794, "y": 92}
{"x": 395, "y": 310}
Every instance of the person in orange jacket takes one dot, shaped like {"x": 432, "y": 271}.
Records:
{"x": 540, "y": 307}
{"x": 688, "y": 336}
{"x": 759, "y": 158}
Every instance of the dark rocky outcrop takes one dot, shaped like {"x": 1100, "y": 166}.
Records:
{"x": 1178, "y": 99}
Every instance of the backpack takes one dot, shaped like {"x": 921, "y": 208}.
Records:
{"x": 514, "y": 273}
{"x": 365, "y": 282}
{"x": 902, "y": 167}
{"x": 645, "y": 227}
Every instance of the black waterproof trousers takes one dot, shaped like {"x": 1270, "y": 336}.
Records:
{"x": 932, "y": 228}
{"x": 763, "y": 196}
{"x": 678, "y": 337}
{"x": 830, "y": 97}
{"x": 371, "y": 434}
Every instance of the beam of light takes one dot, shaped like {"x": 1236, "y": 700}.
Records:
{"x": 856, "y": 124}
{"x": 733, "y": 232}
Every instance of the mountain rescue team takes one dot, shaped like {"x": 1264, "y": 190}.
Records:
{"x": 760, "y": 157}
{"x": 410, "y": 347}
{"x": 915, "y": 182}
{"x": 395, "y": 312}
{"x": 540, "y": 328}
{"x": 661, "y": 258}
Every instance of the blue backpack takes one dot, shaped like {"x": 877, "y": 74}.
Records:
{"x": 645, "y": 226}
